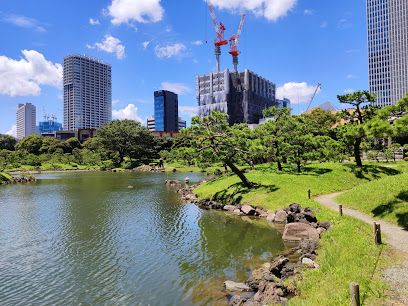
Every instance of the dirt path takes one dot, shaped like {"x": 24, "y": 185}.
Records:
{"x": 393, "y": 235}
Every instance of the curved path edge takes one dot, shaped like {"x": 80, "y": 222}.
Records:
{"x": 395, "y": 236}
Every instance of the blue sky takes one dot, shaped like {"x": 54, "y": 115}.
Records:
{"x": 153, "y": 44}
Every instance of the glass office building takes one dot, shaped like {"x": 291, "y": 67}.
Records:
{"x": 387, "y": 29}
{"x": 165, "y": 111}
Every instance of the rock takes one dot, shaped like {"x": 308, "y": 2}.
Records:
{"x": 309, "y": 263}
{"x": 233, "y": 286}
{"x": 270, "y": 217}
{"x": 130, "y": 187}
{"x": 229, "y": 208}
{"x": 295, "y": 208}
{"x": 280, "y": 216}
{"x": 248, "y": 210}
{"x": 267, "y": 294}
{"x": 320, "y": 230}
{"x": 298, "y": 231}
{"x": 238, "y": 212}
{"x": 309, "y": 217}
{"x": 325, "y": 225}
{"x": 277, "y": 265}
{"x": 308, "y": 246}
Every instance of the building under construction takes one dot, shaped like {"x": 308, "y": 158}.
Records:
{"x": 243, "y": 95}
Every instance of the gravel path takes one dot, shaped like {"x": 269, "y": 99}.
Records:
{"x": 395, "y": 236}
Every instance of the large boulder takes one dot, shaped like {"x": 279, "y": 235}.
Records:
{"x": 270, "y": 217}
{"x": 248, "y": 210}
{"x": 233, "y": 286}
{"x": 280, "y": 216}
{"x": 299, "y": 231}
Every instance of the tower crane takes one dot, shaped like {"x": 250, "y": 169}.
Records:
{"x": 219, "y": 30}
{"x": 234, "y": 40}
{"x": 318, "y": 86}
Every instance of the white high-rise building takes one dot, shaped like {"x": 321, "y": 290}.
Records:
{"x": 87, "y": 93}
{"x": 26, "y": 120}
{"x": 387, "y": 25}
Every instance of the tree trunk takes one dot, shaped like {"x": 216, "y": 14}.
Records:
{"x": 357, "y": 156}
{"x": 298, "y": 167}
{"x": 279, "y": 165}
{"x": 239, "y": 173}
{"x": 278, "y": 155}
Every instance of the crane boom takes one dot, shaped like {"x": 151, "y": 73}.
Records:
{"x": 219, "y": 30}
{"x": 241, "y": 25}
{"x": 234, "y": 40}
{"x": 318, "y": 86}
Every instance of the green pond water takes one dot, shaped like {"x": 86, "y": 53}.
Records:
{"x": 86, "y": 239}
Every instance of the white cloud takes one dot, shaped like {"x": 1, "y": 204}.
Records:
{"x": 25, "y": 77}
{"x": 351, "y": 76}
{"x": 308, "y": 12}
{"x": 197, "y": 43}
{"x": 146, "y": 44}
{"x": 110, "y": 44}
{"x": 269, "y": 9}
{"x": 94, "y": 21}
{"x": 115, "y": 101}
{"x": 127, "y": 11}
{"x": 297, "y": 93}
{"x": 12, "y": 131}
{"x": 129, "y": 112}
{"x": 178, "y": 88}
{"x": 24, "y": 22}
{"x": 190, "y": 111}
{"x": 169, "y": 51}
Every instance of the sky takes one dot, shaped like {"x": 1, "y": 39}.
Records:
{"x": 164, "y": 44}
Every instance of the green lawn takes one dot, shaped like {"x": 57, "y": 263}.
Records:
{"x": 348, "y": 253}
{"x": 385, "y": 199}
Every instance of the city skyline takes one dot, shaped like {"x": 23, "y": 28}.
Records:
{"x": 295, "y": 48}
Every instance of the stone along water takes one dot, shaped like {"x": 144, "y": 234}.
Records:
{"x": 86, "y": 238}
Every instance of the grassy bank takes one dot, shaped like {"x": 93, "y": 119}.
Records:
{"x": 385, "y": 199}
{"x": 347, "y": 253}
{"x": 4, "y": 177}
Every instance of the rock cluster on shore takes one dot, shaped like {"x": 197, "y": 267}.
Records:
{"x": 20, "y": 180}
{"x": 266, "y": 286}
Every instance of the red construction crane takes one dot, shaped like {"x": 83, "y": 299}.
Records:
{"x": 219, "y": 29}
{"x": 234, "y": 40}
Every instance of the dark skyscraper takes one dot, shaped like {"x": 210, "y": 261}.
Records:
{"x": 165, "y": 111}
{"x": 242, "y": 96}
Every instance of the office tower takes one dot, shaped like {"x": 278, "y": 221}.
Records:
{"x": 243, "y": 96}
{"x": 387, "y": 29}
{"x": 26, "y": 120}
{"x": 165, "y": 111}
{"x": 87, "y": 93}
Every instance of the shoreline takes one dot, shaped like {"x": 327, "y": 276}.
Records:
{"x": 274, "y": 281}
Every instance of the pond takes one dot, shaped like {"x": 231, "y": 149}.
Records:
{"x": 86, "y": 238}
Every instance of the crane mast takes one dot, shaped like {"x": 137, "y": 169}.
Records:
{"x": 219, "y": 30}
{"x": 234, "y": 41}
